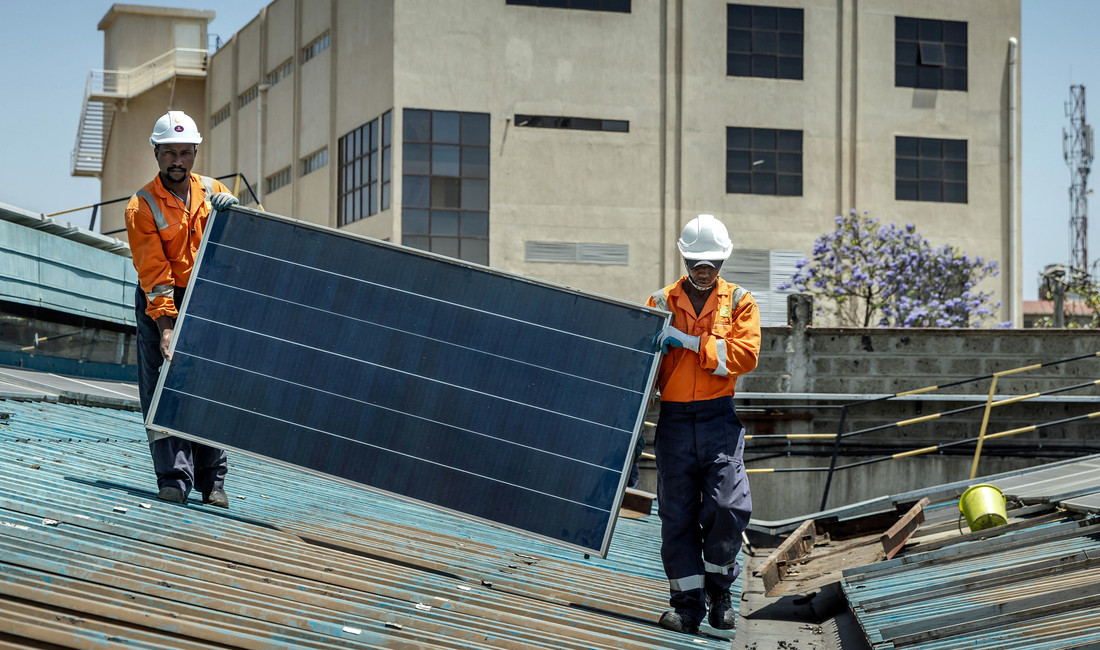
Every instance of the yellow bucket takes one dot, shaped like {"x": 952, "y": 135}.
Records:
{"x": 983, "y": 506}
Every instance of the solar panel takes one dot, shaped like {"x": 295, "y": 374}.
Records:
{"x": 475, "y": 391}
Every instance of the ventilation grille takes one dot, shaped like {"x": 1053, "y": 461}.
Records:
{"x": 577, "y": 253}
{"x": 761, "y": 272}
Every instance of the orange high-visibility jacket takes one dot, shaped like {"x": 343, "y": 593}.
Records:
{"x": 164, "y": 238}
{"x": 729, "y": 342}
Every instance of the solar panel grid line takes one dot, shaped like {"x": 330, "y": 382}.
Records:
{"x": 452, "y": 304}
{"x": 466, "y": 465}
{"x": 535, "y": 412}
{"x": 411, "y": 415}
{"x": 402, "y": 372}
{"x": 418, "y": 501}
{"x": 489, "y": 478}
{"x": 387, "y": 327}
{"x": 224, "y": 311}
{"x": 483, "y": 394}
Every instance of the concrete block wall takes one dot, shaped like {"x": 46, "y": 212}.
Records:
{"x": 847, "y": 362}
{"x": 839, "y": 360}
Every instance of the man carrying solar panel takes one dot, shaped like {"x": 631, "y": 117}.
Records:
{"x": 165, "y": 221}
{"x": 702, "y": 488}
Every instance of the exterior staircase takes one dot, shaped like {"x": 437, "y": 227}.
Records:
{"x": 105, "y": 88}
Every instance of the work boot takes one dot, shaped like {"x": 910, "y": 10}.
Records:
{"x": 171, "y": 494}
{"x": 216, "y": 498}
{"x": 679, "y": 621}
{"x": 722, "y": 616}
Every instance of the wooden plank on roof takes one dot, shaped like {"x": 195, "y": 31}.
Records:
{"x": 898, "y": 534}
{"x": 797, "y": 545}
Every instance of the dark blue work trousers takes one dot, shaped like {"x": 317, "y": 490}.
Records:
{"x": 178, "y": 462}
{"x": 703, "y": 499}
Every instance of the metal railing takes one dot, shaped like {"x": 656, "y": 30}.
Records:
{"x": 127, "y": 83}
{"x": 987, "y": 405}
{"x": 236, "y": 189}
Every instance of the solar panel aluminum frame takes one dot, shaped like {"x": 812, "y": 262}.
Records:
{"x": 180, "y": 336}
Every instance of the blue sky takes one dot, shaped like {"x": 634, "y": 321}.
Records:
{"x": 53, "y": 44}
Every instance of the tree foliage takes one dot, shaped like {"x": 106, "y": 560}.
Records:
{"x": 1084, "y": 289}
{"x": 868, "y": 273}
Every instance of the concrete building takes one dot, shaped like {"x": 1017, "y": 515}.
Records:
{"x": 572, "y": 142}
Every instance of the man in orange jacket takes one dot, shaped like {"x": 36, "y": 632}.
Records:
{"x": 702, "y": 488}
{"x": 165, "y": 221}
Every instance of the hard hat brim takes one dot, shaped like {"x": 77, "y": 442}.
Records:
{"x": 175, "y": 140}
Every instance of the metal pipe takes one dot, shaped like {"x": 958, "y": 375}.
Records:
{"x": 1015, "y": 278}
{"x": 260, "y": 142}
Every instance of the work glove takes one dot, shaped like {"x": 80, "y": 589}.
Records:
{"x": 223, "y": 200}
{"x": 670, "y": 337}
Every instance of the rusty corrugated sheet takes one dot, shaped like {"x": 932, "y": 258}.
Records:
{"x": 89, "y": 558}
{"x": 1033, "y": 583}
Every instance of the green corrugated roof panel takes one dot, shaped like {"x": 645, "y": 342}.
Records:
{"x": 43, "y": 268}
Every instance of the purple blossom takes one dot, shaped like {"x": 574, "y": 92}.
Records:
{"x": 870, "y": 272}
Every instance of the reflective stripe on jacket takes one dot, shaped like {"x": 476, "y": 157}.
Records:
{"x": 729, "y": 342}
{"x": 165, "y": 236}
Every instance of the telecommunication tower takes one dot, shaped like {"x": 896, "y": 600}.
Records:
{"x": 1077, "y": 150}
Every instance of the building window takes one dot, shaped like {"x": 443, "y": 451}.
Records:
{"x": 245, "y": 98}
{"x": 314, "y": 161}
{"x": 220, "y": 116}
{"x": 763, "y": 42}
{"x": 930, "y": 169}
{"x": 280, "y": 73}
{"x": 387, "y": 158}
{"x": 358, "y": 180}
{"x": 763, "y": 161}
{"x": 277, "y": 180}
{"x": 929, "y": 53}
{"x": 315, "y": 47}
{"x": 577, "y": 123}
{"x": 445, "y": 183}
{"x": 622, "y": 6}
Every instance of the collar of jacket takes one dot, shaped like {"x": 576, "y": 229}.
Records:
{"x": 680, "y": 298}
{"x": 162, "y": 192}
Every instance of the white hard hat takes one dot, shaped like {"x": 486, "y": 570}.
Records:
{"x": 705, "y": 238}
{"x": 175, "y": 127}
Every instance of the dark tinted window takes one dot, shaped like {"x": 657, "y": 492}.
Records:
{"x": 621, "y": 6}
{"x": 445, "y": 179}
{"x": 763, "y": 161}
{"x": 930, "y": 169}
{"x": 357, "y": 190}
{"x": 930, "y": 53}
{"x": 764, "y": 41}
{"x": 575, "y": 123}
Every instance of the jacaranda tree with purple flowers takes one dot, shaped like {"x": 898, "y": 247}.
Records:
{"x": 868, "y": 273}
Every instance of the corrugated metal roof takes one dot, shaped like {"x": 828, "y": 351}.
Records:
{"x": 64, "y": 229}
{"x": 89, "y": 558}
{"x": 45, "y": 265}
{"x": 23, "y": 383}
{"x": 1033, "y": 583}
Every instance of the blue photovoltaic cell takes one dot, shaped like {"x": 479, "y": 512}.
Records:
{"x": 482, "y": 393}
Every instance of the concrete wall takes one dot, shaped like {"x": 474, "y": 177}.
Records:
{"x": 135, "y": 34}
{"x": 806, "y": 374}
